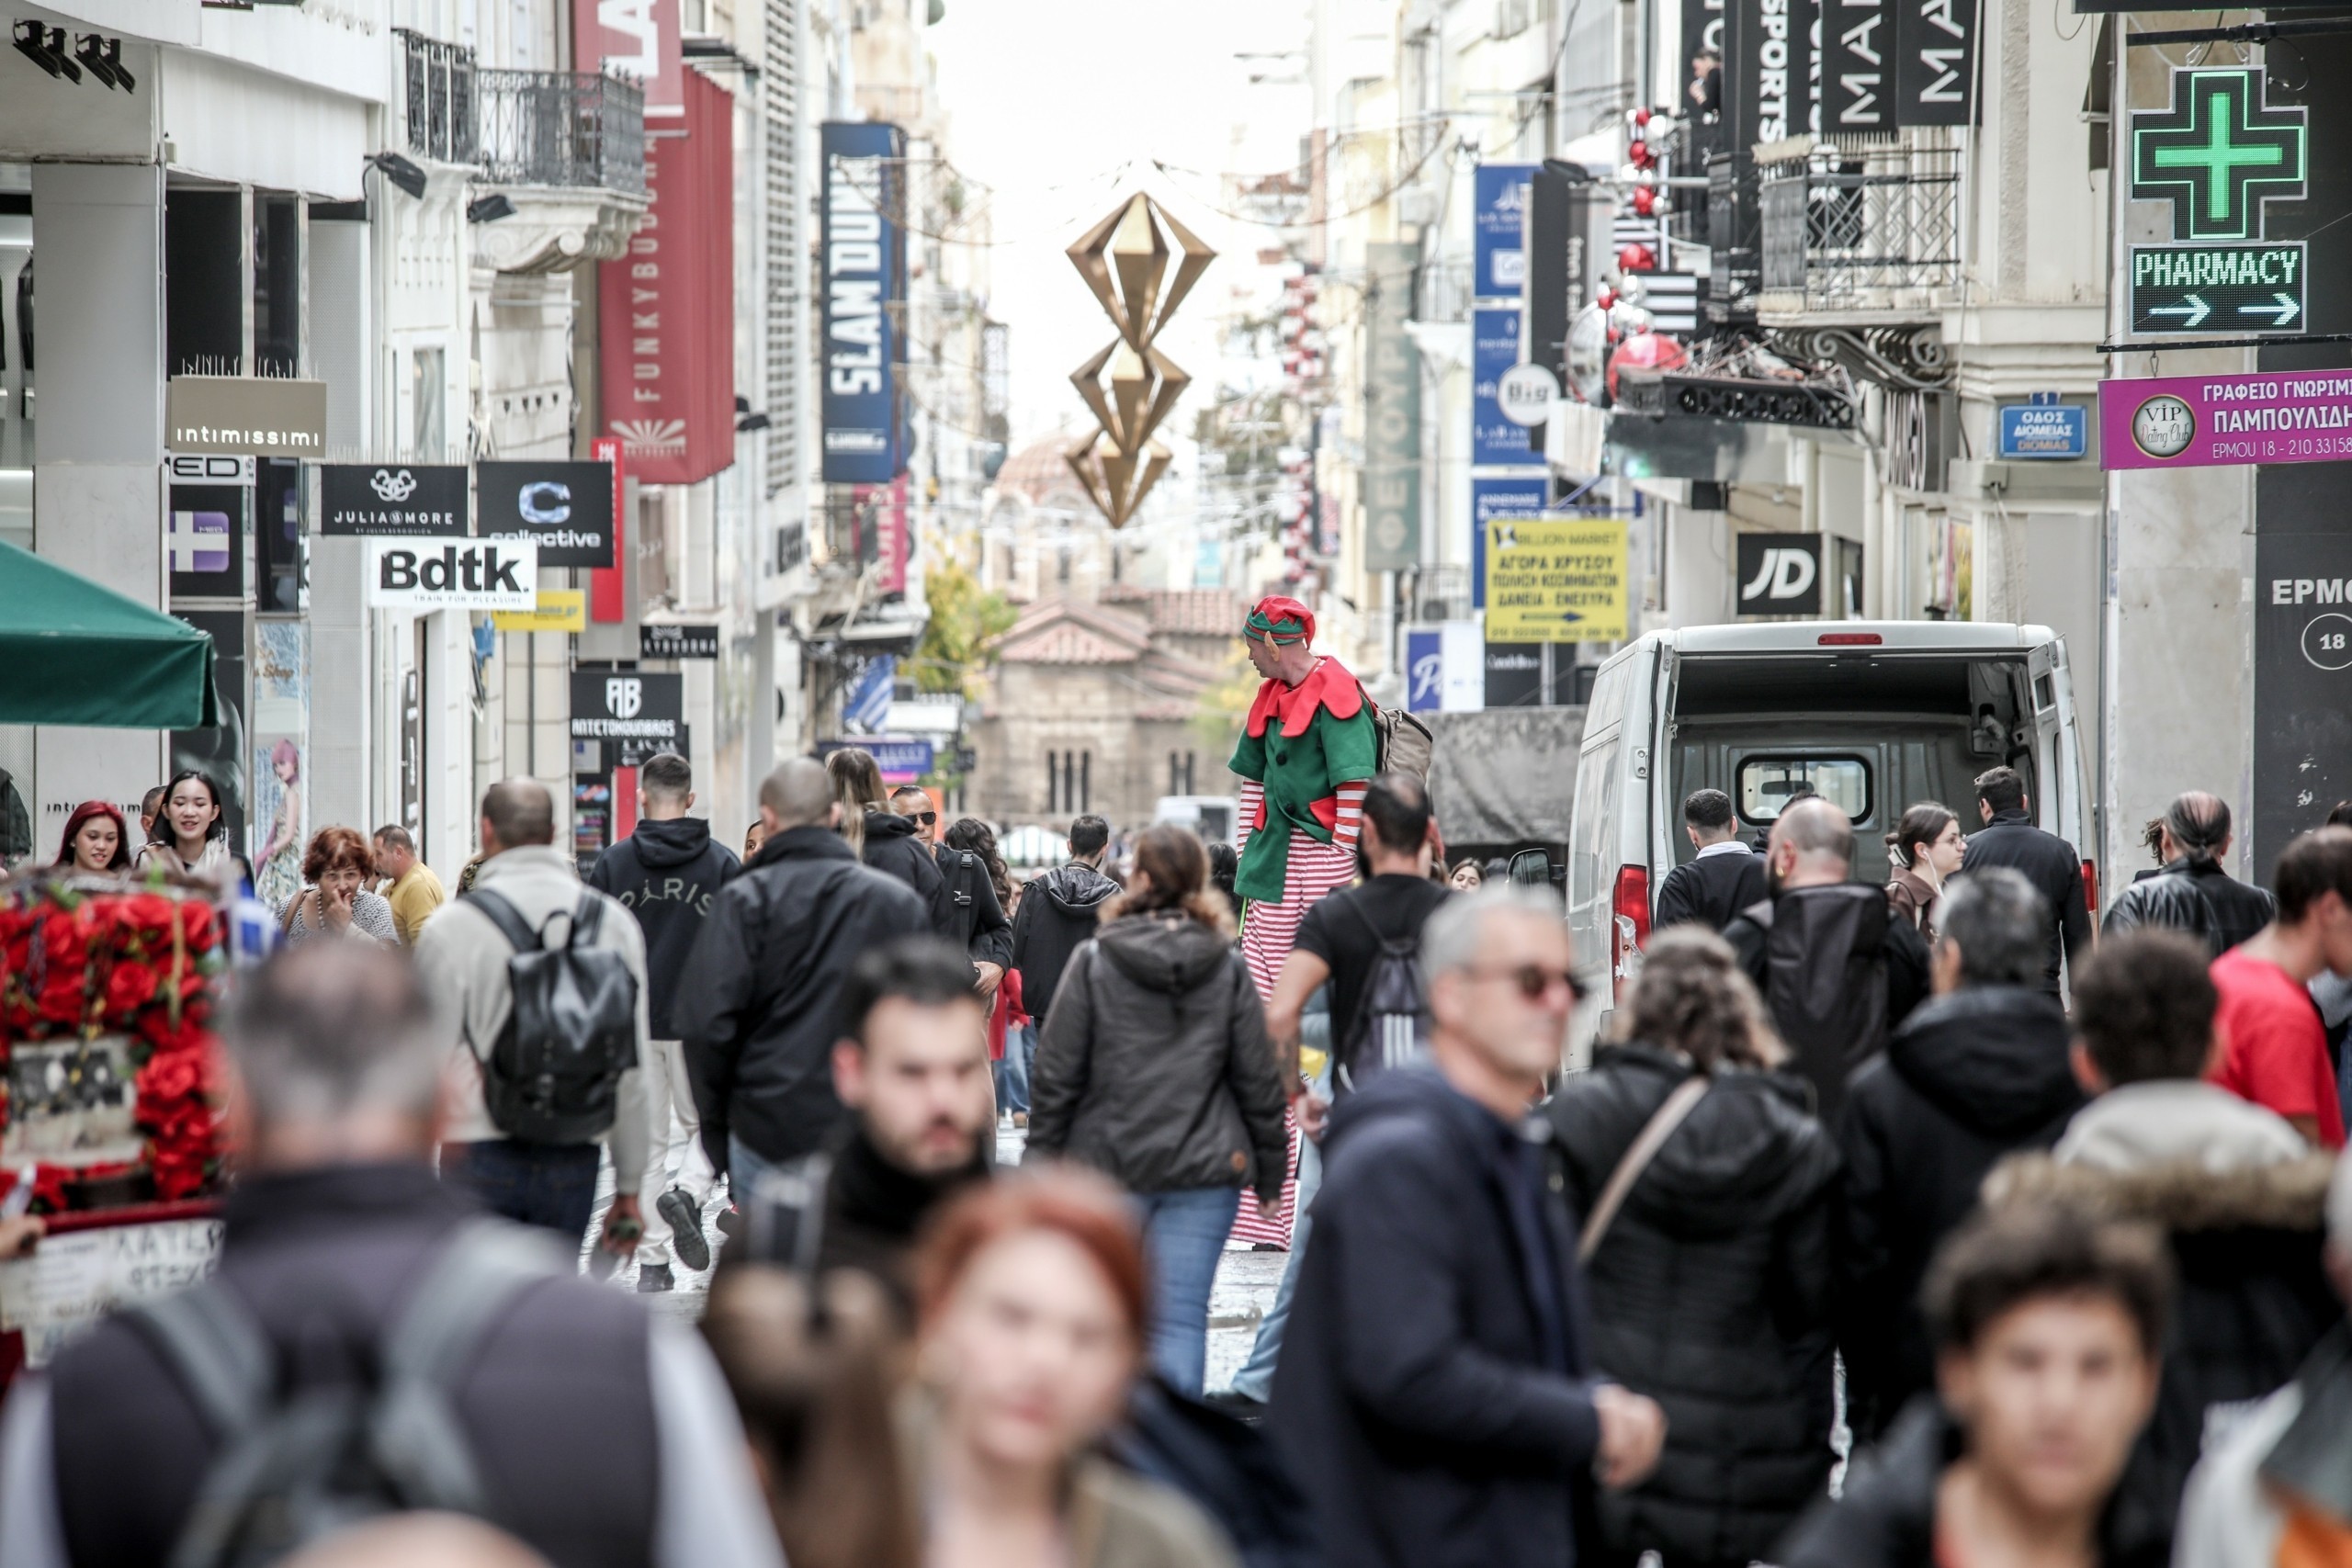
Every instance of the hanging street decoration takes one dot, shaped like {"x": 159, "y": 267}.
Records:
{"x": 1130, "y": 386}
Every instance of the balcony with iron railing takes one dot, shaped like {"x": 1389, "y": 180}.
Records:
{"x": 563, "y": 129}
{"x": 437, "y": 79}
{"x": 1863, "y": 231}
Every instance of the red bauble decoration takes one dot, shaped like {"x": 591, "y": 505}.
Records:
{"x": 1644, "y": 201}
{"x": 1645, "y": 350}
{"x": 1641, "y": 154}
{"x": 1636, "y": 258}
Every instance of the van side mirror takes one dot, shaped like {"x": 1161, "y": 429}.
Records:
{"x": 1531, "y": 868}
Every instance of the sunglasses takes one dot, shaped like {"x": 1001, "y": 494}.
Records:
{"x": 1533, "y": 980}
{"x": 925, "y": 817}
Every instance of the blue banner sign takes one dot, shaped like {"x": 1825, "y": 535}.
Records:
{"x": 864, "y": 265}
{"x": 1494, "y": 349}
{"x": 1498, "y": 260}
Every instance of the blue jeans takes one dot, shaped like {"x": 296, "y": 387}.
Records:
{"x": 1012, "y": 1074}
{"x": 745, "y": 1170}
{"x": 1184, "y": 1234}
{"x": 553, "y": 1185}
{"x": 1256, "y": 1378}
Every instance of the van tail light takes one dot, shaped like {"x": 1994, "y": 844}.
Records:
{"x": 1848, "y": 639}
{"x": 2090, "y": 888}
{"x": 1630, "y": 912}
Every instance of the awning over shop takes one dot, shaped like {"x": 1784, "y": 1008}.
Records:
{"x": 72, "y": 652}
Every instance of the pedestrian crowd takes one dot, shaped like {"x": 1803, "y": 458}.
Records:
{"x": 1886, "y": 1227}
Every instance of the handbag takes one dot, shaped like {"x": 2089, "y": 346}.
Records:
{"x": 1636, "y": 1160}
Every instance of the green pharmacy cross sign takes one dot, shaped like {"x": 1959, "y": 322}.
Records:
{"x": 2217, "y": 154}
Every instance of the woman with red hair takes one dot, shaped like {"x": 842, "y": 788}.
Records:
{"x": 331, "y": 902}
{"x": 96, "y": 839}
{"x": 1033, "y": 1308}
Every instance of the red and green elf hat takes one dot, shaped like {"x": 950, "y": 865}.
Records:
{"x": 1281, "y": 620}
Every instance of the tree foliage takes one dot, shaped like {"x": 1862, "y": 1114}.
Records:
{"x": 953, "y": 656}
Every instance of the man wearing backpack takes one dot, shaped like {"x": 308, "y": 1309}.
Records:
{"x": 1363, "y": 943}
{"x": 540, "y": 1088}
{"x": 668, "y": 872}
{"x": 357, "y": 1295}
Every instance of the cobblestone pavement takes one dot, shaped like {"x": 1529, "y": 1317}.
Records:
{"x": 1246, "y": 1280}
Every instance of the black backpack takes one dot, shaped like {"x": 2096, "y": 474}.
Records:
{"x": 1824, "y": 981}
{"x": 1391, "y": 1025}
{"x": 294, "y": 1464}
{"x": 553, "y": 1074}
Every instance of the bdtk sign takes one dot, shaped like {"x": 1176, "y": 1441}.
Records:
{"x": 471, "y": 574}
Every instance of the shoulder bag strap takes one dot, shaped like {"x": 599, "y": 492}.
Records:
{"x": 505, "y": 916}
{"x": 1636, "y": 1160}
{"x": 213, "y": 1345}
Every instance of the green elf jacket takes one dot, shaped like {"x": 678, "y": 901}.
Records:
{"x": 1302, "y": 743}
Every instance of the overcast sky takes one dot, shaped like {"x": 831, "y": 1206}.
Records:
{"x": 1061, "y": 106}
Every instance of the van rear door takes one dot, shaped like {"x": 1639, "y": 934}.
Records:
{"x": 2065, "y": 807}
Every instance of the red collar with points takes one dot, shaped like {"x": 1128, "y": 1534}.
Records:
{"x": 1327, "y": 686}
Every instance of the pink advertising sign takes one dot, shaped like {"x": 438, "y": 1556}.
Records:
{"x": 2199, "y": 421}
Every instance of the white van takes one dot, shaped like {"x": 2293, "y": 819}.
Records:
{"x": 1875, "y": 716}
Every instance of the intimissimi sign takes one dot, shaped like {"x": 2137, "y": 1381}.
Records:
{"x": 865, "y": 284}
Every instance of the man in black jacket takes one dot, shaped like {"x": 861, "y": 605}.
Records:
{"x": 667, "y": 873}
{"x": 1980, "y": 1070}
{"x": 756, "y": 1004}
{"x": 1059, "y": 911}
{"x": 2049, "y": 1325}
{"x": 1435, "y": 1398}
{"x": 1725, "y": 877}
{"x": 2192, "y": 893}
{"x": 2049, "y": 862}
{"x": 969, "y": 914}
{"x": 604, "y": 1438}
{"x": 1836, "y": 972}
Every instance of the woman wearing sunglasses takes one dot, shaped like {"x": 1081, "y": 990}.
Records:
{"x": 1710, "y": 1286}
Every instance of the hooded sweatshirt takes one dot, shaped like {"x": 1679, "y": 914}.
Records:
{"x": 1154, "y": 1067}
{"x": 1059, "y": 911}
{"x": 667, "y": 871}
{"x": 1970, "y": 1076}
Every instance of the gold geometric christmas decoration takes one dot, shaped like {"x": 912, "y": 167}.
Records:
{"x": 1130, "y": 386}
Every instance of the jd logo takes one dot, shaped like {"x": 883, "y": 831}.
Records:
{"x": 1784, "y": 574}
{"x": 624, "y": 694}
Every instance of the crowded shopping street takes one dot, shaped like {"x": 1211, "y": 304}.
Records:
{"x": 1017, "y": 784}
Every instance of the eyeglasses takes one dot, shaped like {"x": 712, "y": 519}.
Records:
{"x": 1533, "y": 980}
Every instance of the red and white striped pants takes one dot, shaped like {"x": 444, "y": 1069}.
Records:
{"x": 1268, "y": 932}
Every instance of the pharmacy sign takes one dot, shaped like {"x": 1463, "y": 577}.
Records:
{"x": 2218, "y": 153}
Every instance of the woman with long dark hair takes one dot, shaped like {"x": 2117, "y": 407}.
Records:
{"x": 1155, "y": 1069}
{"x": 191, "y": 832}
{"x": 1710, "y": 1284}
{"x": 1926, "y": 847}
{"x": 883, "y": 840}
{"x": 96, "y": 839}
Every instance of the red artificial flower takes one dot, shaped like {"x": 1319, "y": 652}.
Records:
{"x": 130, "y": 987}
{"x": 170, "y": 1077}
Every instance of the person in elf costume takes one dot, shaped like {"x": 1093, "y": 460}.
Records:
{"x": 1307, "y": 751}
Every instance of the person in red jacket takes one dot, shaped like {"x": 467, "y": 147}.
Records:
{"x": 1007, "y": 1062}
{"x": 2275, "y": 1047}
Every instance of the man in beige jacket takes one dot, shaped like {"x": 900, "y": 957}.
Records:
{"x": 463, "y": 957}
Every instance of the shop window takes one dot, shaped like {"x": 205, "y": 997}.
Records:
{"x": 204, "y": 281}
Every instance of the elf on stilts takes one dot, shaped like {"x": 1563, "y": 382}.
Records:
{"x": 1308, "y": 752}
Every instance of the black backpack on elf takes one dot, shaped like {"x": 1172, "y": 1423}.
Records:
{"x": 553, "y": 1075}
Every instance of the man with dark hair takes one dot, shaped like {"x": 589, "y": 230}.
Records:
{"x": 1722, "y": 878}
{"x": 463, "y": 953}
{"x": 2049, "y": 1325}
{"x": 597, "y": 1433}
{"x": 757, "y": 1002}
{"x": 1818, "y": 922}
{"x": 2241, "y": 1197}
{"x": 1978, "y": 1071}
{"x": 2276, "y": 1053}
{"x": 2049, "y": 862}
{"x": 911, "y": 1065}
{"x": 667, "y": 873}
{"x": 1059, "y": 911}
{"x": 2192, "y": 892}
{"x": 415, "y": 892}
{"x": 1341, "y": 943}
{"x": 969, "y": 914}
{"x": 149, "y": 806}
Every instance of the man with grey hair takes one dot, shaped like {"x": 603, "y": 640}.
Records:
{"x": 2278, "y": 1474}
{"x": 1981, "y": 1070}
{"x": 756, "y": 1001}
{"x": 1835, "y": 971}
{"x": 463, "y": 955}
{"x": 588, "y": 1423}
{"x": 1435, "y": 1397}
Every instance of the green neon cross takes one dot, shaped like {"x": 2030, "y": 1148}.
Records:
{"x": 2219, "y": 157}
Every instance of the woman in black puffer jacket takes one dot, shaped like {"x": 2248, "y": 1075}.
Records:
{"x": 1155, "y": 1067}
{"x": 1710, "y": 1293}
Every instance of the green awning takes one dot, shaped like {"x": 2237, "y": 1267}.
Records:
{"x": 72, "y": 652}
